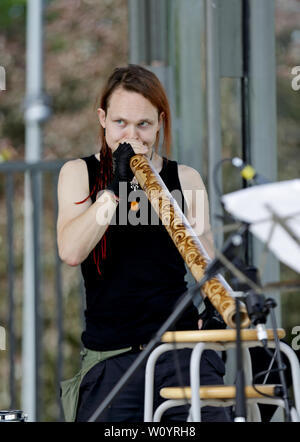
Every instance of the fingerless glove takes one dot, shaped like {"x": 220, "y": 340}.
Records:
{"x": 122, "y": 171}
{"x": 212, "y": 320}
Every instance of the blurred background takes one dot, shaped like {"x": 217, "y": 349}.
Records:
{"x": 227, "y": 68}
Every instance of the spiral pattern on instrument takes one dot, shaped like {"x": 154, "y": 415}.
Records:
{"x": 184, "y": 238}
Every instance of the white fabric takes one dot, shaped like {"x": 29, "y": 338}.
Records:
{"x": 255, "y": 205}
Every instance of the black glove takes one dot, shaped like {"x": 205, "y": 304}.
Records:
{"x": 122, "y": 171}
{"x": 212, "y": 320}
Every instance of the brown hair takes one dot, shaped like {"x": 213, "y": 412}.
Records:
{"x": 138, "y": 79}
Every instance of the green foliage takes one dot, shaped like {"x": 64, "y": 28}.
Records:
{"x": 13, "y": 127}
{"x": 12, "y": 15}
{"x": 69, "y": 98}
{"x": 57, "y": 43}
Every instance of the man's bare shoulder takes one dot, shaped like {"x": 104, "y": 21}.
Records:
{"x": 73, "y": 166}
{"x": 189, "y": 177}
{"x": 73, "y": 178}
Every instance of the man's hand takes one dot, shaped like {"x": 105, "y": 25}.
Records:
{"x": 121, "y": 157}
{"x": 136, "y": 145}
{"x": 210, "y": 319}
{"x": 122, "y": 172}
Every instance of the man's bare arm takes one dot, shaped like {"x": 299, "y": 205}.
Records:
{"x": 80, "y": 226}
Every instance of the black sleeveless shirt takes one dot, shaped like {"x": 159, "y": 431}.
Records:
{"x": 141, "y": 278}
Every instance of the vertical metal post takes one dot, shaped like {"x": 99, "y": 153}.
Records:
{"x": 36, "y": 111}
{"x": 59, "y": 301}
{"x": 190, "y": 36}
{"x": 11, "y": 292}
{"x": 137, "y": 32}
{"x": 213, "y": 112}
{"x": 262, "y": 113}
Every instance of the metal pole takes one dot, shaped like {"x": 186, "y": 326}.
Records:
{"x": 134, "y": 31}
{"x": 190, "y": 33}
{"x": 36, "y": 111}
{"x": 11, "y": 289}
{"x": 262, "y": 114}
{"x": 213, "y": 112}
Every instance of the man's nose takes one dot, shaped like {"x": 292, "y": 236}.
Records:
{"x": 131, "y": 132}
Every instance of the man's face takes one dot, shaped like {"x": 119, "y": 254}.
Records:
{"x": 129, "y": 116}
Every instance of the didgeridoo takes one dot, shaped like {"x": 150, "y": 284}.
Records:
{"x": 186, "y": 240}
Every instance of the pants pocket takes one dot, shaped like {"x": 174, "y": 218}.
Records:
{"x": 70, "y": 388}
{"x": 69, "y": 396}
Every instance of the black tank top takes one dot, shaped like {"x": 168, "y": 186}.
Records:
{"x": 141, "y": 278}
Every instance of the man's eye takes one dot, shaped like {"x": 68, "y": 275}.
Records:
{"x": 144, "y": 123}
{"x": 119, "y": 121}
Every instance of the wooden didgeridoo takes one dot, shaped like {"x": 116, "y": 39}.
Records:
{"x": 186, "y": 240}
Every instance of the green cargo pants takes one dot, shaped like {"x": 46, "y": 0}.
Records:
{"x": 70, "y": 387}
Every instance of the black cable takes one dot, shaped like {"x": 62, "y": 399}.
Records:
{"x": 266, "y": 373}
{"x": 270, "y": 303}
{"x": 215, "y": 177}
{"x": 227, "y": 217}
{"x": 262, "y": 373}
{"x": 282, "y": 391}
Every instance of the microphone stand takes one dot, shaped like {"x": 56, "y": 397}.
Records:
{"x": 270, "y": 304}
{"x": 258, "y": 308}
{"x": 240, "y": 400}
{"x": 234, "y": 241}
